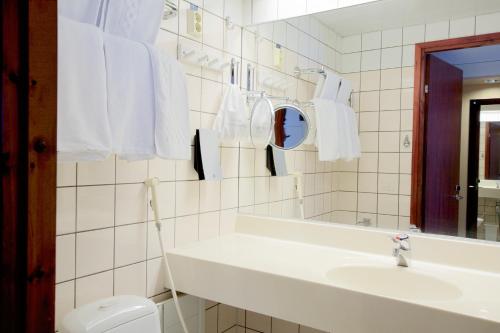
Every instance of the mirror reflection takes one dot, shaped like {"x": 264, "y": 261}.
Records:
{"x": 445, "y": 182}
{"x": 489, "y": 154}
{"x": 291, "y": 127}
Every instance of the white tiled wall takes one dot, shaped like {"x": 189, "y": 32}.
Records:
{"x": 106, "y": 240}
{"x": 380, "y": 64}
{"x": 222, "y": 318}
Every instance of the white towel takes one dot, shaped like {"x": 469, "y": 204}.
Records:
{"x": 172, "y": 131}
{"x": 330, "y": 86}
{"x": 138, "y": 20}
{"x": 327, "y": 119}
{"x": 231, "y": 122}
{"x": 328, "y": 138}
{"x": 131, "y": 99}
{"x": 262, "y": 120}
{"x": 344, "y": 92}
{"x": 85, "y": 11}
{"x": 210, "y": 154}
{"x": 349, "y": 129}
{"x": 319, "y": 86}
{"x": 83, "y": 126}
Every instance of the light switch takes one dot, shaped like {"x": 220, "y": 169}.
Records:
{"x": 194, "y": 21}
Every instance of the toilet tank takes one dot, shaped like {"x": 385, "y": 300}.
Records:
{"x": 119, "y": 314}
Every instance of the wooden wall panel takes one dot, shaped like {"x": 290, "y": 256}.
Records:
{"x": 29, "y": 121}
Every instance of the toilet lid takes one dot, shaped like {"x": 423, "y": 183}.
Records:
{"x": 106, "y": 314}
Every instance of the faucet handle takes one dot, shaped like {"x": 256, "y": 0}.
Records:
{"x": 402, "y": 240}
{"x": 399, "y": 237}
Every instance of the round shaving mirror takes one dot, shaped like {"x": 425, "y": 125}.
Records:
{"x": 291, "y": 127}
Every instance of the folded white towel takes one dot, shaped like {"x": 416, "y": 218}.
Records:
{"x": 328, "y": 138}
{"x": 138, "y": 20}
{"x": 172, "y": 131}
{"x": 131, "y": 98}
{"x": 231, "y": 122}
{"x": 85, "y": 11}
{"x": 83, "y": 125}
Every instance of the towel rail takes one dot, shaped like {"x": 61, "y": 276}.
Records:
{"x": 300, "y": 71}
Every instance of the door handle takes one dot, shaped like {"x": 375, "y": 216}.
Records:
{"x": 457, "y": 195}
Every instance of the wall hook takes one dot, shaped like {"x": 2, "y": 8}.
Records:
{"x": 229, "y": 23}
{"x": 203, "y": 58}
{"x": 406, "y": 142}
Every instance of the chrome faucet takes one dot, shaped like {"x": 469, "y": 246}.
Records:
{"x": 402, "y": 249}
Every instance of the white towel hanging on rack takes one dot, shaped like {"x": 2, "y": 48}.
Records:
{"x": 83, "y": 131}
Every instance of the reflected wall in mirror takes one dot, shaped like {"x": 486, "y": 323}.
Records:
{"x": 489, "y": 155}
{"x": 291, "y": 127}
{"x": 377, "y": 56}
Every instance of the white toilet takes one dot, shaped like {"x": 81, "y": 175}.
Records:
{"x": 120, "y": 314}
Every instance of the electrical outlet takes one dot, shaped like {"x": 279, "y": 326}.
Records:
{"x": 194, "y": 21}
{"x": 278, "y": 56}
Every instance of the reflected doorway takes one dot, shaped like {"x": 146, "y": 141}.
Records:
{"x": 449, "y": 76}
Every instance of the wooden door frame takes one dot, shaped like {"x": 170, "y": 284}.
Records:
{"x": 422, "y": 50}
{"x": 28, "y": 121}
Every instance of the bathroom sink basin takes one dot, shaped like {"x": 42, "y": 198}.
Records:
{"x": 489, "y": 192}
{"x": 396, "y": 282}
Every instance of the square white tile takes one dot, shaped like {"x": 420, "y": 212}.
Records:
{"x": 371, "y": 40}
{"x": 392, "y": 37}
{"x": 391, "y": 57}
{"x": 96, "y": 172}
{"x": 94, "y": 287}
{"x": 186, "y": 230}
{"x": 370, "y": 60}
{"x": 65, "y": 258}
{"x": 210, "y": 196}
{"x": 65, "y": 210}
{"x": 187, "y": 198}
{"x": 209, "y": 225}
{"x": 130, "y": 244}
{"x": 130, "y": 280}
{"x": 94, "y": 251}
{"x": 131, "y": 203}
{"x": 95, "y": 207}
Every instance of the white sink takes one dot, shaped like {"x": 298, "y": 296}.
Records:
{"x": 394, "y": 282}
{"x": 343, "y": 279}
{"x": 489, "y": 192}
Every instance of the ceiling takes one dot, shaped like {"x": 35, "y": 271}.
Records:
{"x": 474, "y": 62}
{"x": 387, "y": 14}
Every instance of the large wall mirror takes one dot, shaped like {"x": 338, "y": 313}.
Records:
{"x": 377, "y": 56}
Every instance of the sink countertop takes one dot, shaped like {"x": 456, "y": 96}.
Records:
{"x": 281, "y": 268}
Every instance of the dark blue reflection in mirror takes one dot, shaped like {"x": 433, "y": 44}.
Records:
{"x": 291, "y": 127}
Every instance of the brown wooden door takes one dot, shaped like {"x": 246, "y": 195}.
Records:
{"x": 442, "y": 147}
